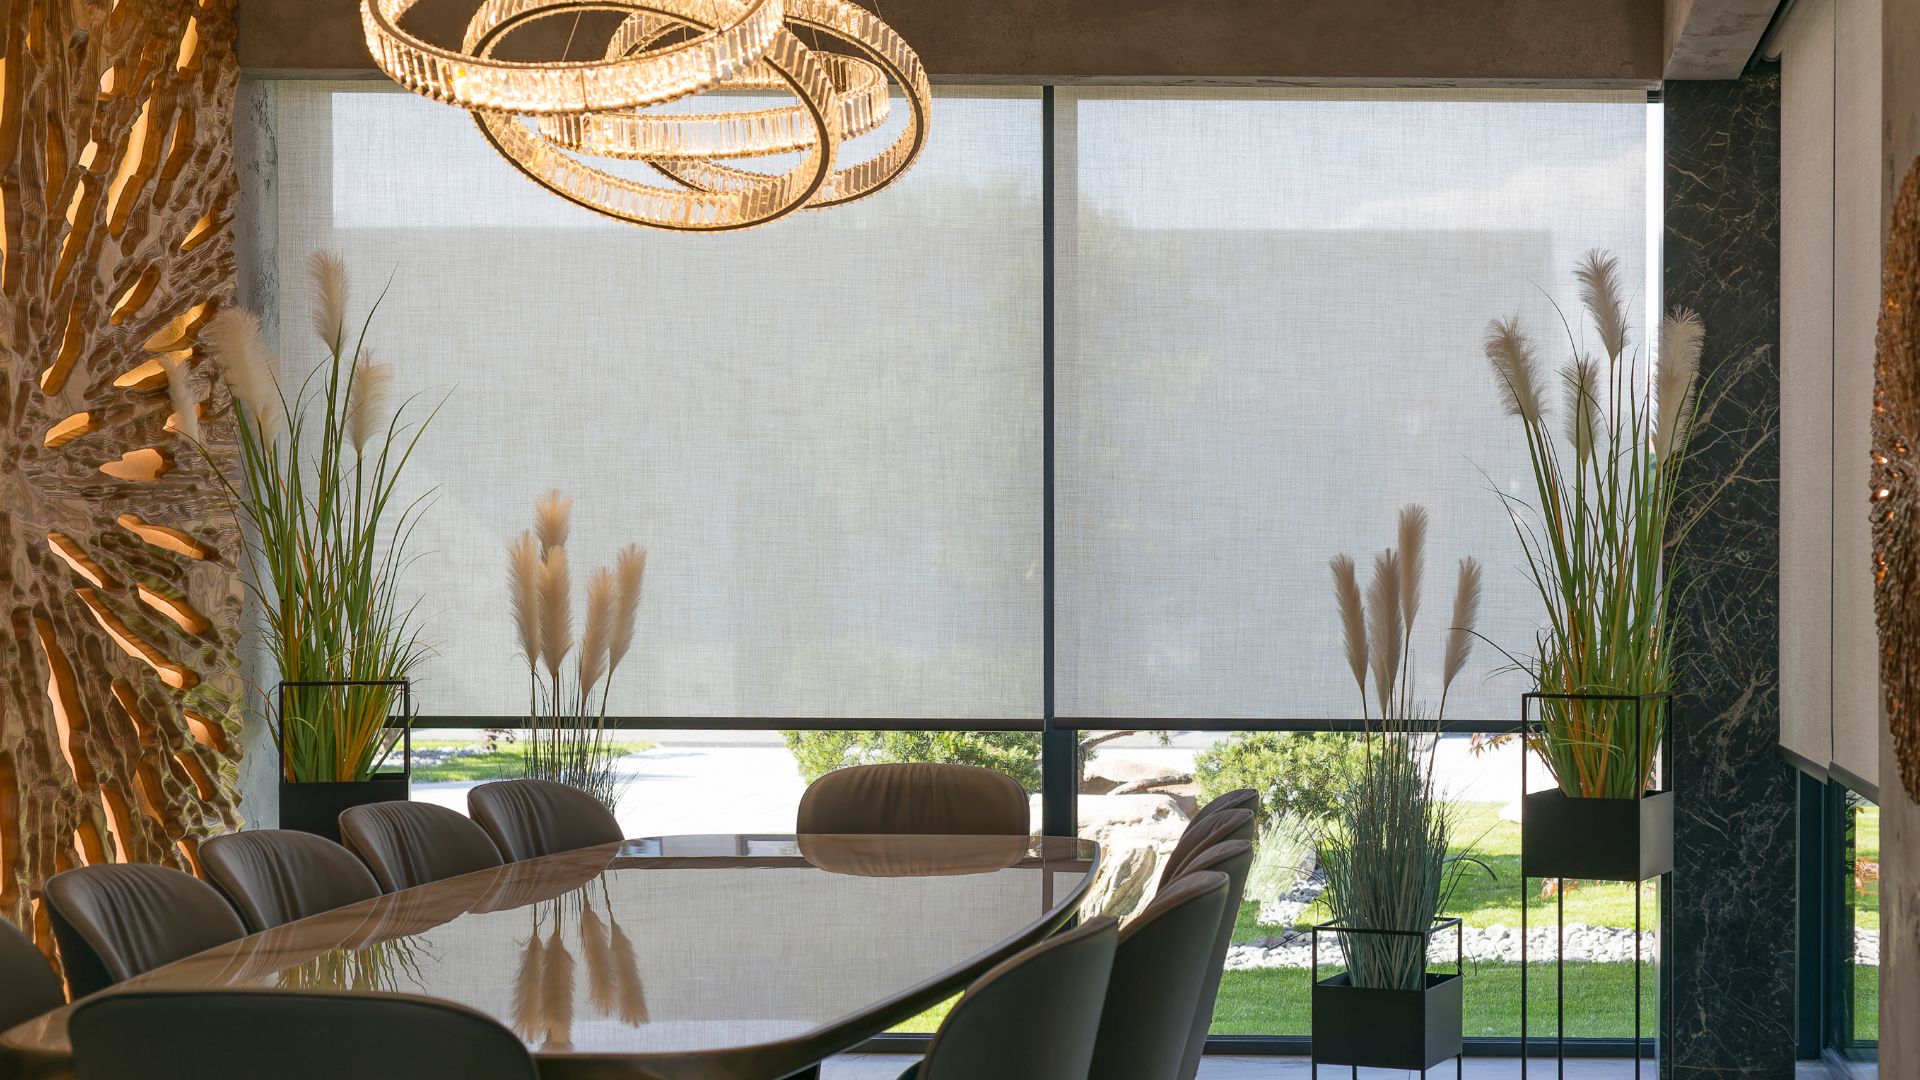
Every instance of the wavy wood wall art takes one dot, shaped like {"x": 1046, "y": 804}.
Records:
{"x": 1896, "y": 518}
{"x": 117, "y": 561}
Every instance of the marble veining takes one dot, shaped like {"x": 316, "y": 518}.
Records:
{"x": 1730, "y": 911}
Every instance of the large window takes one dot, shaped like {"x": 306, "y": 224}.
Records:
{"x": 1259, "y": 314}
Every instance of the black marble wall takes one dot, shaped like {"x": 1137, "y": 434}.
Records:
{"x": 1730, "y": 912}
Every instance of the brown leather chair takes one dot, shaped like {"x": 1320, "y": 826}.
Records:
{"x": 913, "y": 797}
{"x": 1034, "y": 1017}
{"x": 113, "y": 922}
{"x": 28, "y": 986}
{"x": 1158, "y": 972}
{"x": 1203, "y": 833}
{"x": 530, "y": 818}
{"x": 1238, "y": 799}
{"x": 274, "y": 876}
{"x": 251, "y": 1034}
{"x": 1233, "y": 858}
{"x": 409, "y": 843}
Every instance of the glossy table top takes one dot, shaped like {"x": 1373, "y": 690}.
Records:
{"x": 729, "y": 957}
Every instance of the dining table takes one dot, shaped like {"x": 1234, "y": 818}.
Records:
{"x": 696, "y": 957}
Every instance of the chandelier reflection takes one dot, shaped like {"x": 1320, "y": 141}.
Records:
{"x": 646, "y": 100}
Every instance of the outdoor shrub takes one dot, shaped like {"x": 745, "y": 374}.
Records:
{"x": 1300, "y": 775}
{"x": 1014, "y": 753}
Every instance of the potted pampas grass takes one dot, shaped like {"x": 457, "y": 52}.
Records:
{"x": 1386, "y": 853}
{"x": 318, "y": 494}
{"x": 566, "y": 733}
{"x": 1606, "y": 471}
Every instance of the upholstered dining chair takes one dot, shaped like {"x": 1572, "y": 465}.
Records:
{"x": 1033, "y": 1017}
{"x": 1238, "y": 799}
{"x": 1201, "y": 834}
{"x": 531, "y": 818}
{"x": 915, "y": 797}
{"x": 250, "y": 1034}
{"x": 1233, "y": 858}
{"x": 274, "y": 876}
{"x": 410, "y": 843}
{"x": 1159, "y": 971}
{"x": 28, "y": 986}
{"x": 118, "y": 920}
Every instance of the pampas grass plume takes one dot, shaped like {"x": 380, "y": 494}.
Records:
{"x": 186, "y": 410}
{"x": 525, "y": 576}
{"x": 1353, "y": 620}
{"x": 1681, "y": 336}
{"x": 1466, "y": 612}
{"x": 1599, "y": 275}
{"x": 330, "y": 290}
{"x": 556, "y": 611}
{"x": 602, "y": 990}
{"x": 626, "y": 969}
{"x": 551, "y": 520}
{"x": 528, "y": 981}
{"x": 602, "y": 592}
{"x": 1512, "y": 357}
{"x": 1413, "y": 562}
{"x": 1384, "y": 626}
{"x": 1583, "y": 405}
{"x": 367, "y": 404}
{"x": 631, "y": 570}
{"x": 556, "y": 997}
{"x": 233, "y": 337}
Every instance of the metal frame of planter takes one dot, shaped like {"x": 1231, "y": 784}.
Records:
{"x": 1355, "y": 1023}
{"x": 321, "y": 816}
{"x": 1599, "y": 855}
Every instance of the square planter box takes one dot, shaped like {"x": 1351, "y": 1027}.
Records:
{"x": 315, "y": 808}
{"x": 1386, "y": 1029}
{"x": 1596, "y": 839}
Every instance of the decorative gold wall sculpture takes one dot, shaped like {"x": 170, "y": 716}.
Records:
{"x": 118, "y": 705}
{"x": 1896, "y": 520}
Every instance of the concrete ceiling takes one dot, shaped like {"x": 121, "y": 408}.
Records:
{"x": 1585, "y": 43}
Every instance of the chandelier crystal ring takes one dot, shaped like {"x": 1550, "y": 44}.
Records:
{"x": 771, "y": 196}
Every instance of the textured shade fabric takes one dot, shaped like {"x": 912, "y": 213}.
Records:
{"x": 117, "y": 921}
{"x": 1270, "y": 313}
{"x": 914, "y": 797}
{"x": 1051, "y": 994}
{"x": 1159, "y": 972}
{"x": 530, "y": 818}
{"x": 28, "y": 986}
{"x": 407, "y": 843}
{"x": 289, "y": 1036}
{"x": 826, "y": 432}
{"x": 274, "y": 876}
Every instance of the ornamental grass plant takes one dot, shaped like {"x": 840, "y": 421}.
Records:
{"x": 1605, "y": 479}
{"x": 1385, "y": 851}
{"x": 327, "y": 529}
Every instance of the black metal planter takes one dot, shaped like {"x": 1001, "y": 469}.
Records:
{"x": 1568, "y": 838}
{"x": 315, "y": 806}
{"x": 1367, "y": 1027}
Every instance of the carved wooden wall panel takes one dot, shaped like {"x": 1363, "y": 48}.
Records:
{"x": 118, "y": 706}
{"x": 1896, "y": 516}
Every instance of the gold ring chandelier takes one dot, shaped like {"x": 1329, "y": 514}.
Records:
{"x": 546, "y": 116}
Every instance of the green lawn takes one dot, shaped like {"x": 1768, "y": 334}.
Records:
{"x": 1276, "y": 1001}
{"x": 500, "y": 764}
{"x": 1866, "y": 849}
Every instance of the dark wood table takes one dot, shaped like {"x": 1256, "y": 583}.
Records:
{"x": 731, "y": 957}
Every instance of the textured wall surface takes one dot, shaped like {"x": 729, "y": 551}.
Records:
{"x": 1731, "y": 910}
{"x": 117, "y": 565}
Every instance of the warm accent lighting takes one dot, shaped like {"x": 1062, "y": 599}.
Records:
{"x": 545, "y": 116}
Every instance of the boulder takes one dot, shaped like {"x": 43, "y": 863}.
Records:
{"x": 1135, "y": 834}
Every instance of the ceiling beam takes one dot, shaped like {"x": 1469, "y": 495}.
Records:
{"x": 1714, "y": 39}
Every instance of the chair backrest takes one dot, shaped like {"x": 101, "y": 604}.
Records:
{"x": 1034, "y": 1017}
{"x": 115, "y": 921}
{"x": 1233, "y": 858}
{"x": 1238, "y": 799}
{"x": 1203, "y": 833}
{"x": 1158, "y": 972}
{"x": 531, "y": 818}
{"x": 150, "y": 1035}
{"x": 914, "y": 797}
{"x": 274, "y": 876}
{"x": 409, "y": 843}
{"x": 28, "y": 986}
